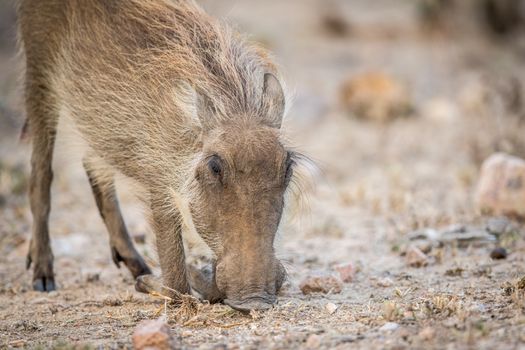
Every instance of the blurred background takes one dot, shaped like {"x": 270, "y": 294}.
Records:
{"x": 398, "y": 102}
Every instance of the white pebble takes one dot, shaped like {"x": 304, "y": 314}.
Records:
{"x": 330, "y": 307}
{"x": 389, "y": 327}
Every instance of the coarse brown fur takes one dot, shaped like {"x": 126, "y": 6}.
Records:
{"x": 178, "y": 102}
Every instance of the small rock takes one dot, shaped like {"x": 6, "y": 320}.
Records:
{"x": 424, "y": 234}
{"x": 499, "y": 225}
{"x": 389, "y": 327}
{"x": 427, "y": 333}
{"x": 321, "y": 283}
{"x": 385, "y": 282}
{"x": 498, "y": 253}
{"x": 313, "y": 341}
{"x": 454, "y": 233}
{"x": 466, "y": 235}
{"x": 508, "y": 289}
{"x": 331, "y": 308}
{"x": 153, "y": 334}
{"x": 112, "y": 301}
{"x": 415, "y": 257}
{"x": 455, "y": 272}
{"x": 92, "y": 277}
{"x": 346, "y": 272}
{"x": 501, "y": 187}
{"x": 376, "y": 96}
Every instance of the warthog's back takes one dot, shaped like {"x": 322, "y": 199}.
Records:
{"x": 127, "y": 73}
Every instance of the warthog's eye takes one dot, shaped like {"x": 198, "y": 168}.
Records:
{"x": 215, "y": 166}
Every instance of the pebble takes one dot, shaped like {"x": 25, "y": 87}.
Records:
{"x": 331, "y": 308}
{"x": 498, "y": 225}
{"x": 415, "y": 257}
{"x": 346, "y": 272}
{"x": 92, "y": 277}
{"x": 385, "y": 282}
{"x": 153, "y": 334}
{"x": 501, "y": 186}
{"x": 321, "y": 283}
{"x": 112, "y": 301}
{"x": 498, "y": 253}
{"x": 389, "y": 327}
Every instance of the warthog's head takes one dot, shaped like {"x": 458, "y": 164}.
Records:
{"x": 239, "y": 187}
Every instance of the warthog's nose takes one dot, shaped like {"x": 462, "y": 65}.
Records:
{"x": 251, "y": 303}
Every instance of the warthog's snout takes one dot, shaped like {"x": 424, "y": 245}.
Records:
{"x": 248, "y": 285}
{"x": 253, "y": 302}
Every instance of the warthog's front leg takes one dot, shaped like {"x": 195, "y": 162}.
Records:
{"x": 168, "y": 233}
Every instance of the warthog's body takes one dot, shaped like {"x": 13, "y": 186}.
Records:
{"x": 167, "y": 96}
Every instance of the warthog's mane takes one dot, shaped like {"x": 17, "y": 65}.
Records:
{"x": 140, "y": 66}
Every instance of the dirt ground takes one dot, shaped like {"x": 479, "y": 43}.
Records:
{"x": 378, "y": 184}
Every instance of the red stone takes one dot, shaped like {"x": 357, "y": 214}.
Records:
{"x": 346, "y": 272}
{"x": 321, "y": 283}
{"x": 153, "y": 335}
{"x": 501, "y": 186}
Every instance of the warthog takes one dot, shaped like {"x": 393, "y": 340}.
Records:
{"x": 176, "y": 101}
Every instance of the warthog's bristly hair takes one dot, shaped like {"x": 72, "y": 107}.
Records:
{"x": 155, "y": 59}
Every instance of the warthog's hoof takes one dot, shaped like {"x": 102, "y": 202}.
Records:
{"x": 44, "y": 284}
{"x": 43, "y": 276}
{"x": 135, "y": 264}
{"x": 148, "y": 284}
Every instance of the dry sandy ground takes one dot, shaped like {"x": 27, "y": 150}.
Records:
{"x": 378, "y": 183}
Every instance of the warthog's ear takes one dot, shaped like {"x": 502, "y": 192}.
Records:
{"x": 198, "y": 106}
{"x": 273, "y": 101}
{"x": 205, "y": 111}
